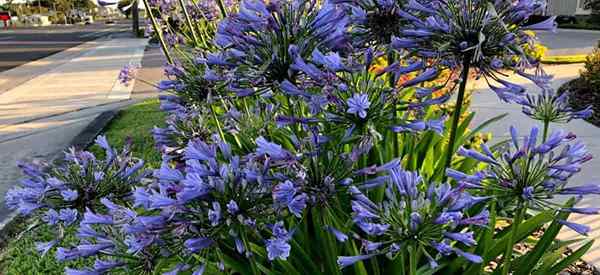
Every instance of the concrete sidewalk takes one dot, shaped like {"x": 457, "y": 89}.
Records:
{"x": 487, "y": 105}
{"x": 58, "y": 96}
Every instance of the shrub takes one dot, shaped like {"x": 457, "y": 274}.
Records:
{"x": 591, "y": 72}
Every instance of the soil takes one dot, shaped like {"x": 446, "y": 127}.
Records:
{"x": 581, "y": 96}
{"x": 579, "y": 267}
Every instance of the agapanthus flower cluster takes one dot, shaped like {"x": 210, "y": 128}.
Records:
{"x": 531, "y": 173}
{"x": 488, "y": 36}
{"x": 426, "y": 217}
{"x": 183, "y": 124}
{"x": 120, "y": 239}
{"x": 60, "y": 193}
{"x": 128, "y": 73}
{"x": 255, "y": 41}
{"x": 183, "y": 80}
{"x": 219, "y": 200}
{"x": 552, "y": 107}
{"x": 375, "y": 22}
{"x": 357, "y": 100}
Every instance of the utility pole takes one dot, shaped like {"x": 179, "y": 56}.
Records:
{"x": 135, "y": 16}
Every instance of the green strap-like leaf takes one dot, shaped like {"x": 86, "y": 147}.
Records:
{"x": 533, "y": 257}
{"x": 577, "y": 254}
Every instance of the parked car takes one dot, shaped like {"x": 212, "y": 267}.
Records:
{"x": 5, "y": 18}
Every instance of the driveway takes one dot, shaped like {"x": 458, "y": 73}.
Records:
{"x": 569, "y": 42}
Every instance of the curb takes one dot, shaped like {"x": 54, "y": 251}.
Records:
{"x": 14, "y": 224}
{"x": 564, "y": 59}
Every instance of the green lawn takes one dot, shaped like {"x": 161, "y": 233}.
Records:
{"x": 19, "y": 255}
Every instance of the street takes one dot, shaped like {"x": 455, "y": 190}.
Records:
{"x": 54, "y": 82}
{"x": 569, "y": 42}
{"x": 19, "y": 46}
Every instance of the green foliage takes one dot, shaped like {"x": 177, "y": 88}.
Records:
{"x": 591, "y": 74}
{"x": 20, "y": 257}
{"x": 135, "y": 124}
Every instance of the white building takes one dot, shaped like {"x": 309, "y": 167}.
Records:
{"x": 567, "y": 7}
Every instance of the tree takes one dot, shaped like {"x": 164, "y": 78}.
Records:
{"x": 594, "y": 5}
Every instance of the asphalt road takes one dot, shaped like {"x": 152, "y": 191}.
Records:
{"x": 23, "y": 45}
{"x": 569, "y": 42}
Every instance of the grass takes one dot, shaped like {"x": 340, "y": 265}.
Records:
{"x": 564, "y": 59}
{"x": 19, "y": 255}
{"x": 135, "y": 123}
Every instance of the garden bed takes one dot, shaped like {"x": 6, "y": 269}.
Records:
{"x": 581, "y": 96}
{"x": 18, "y": 254}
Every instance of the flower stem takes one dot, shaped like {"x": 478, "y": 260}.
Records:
{"x": 521, "y": 209}
{"x": 158, "y": 32}
{"x": 188, "y": 20}
{"x": 458, "y": 109}
{"x": 214, "y": 115}
{"x": 412, "y": 260}
{"x": 546, "y": 126}
{"x": 222, "y": 8}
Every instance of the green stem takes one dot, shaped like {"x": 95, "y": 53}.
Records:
{"x": 390, "y": 60}
{"x": 158, "y": 32}
{"x": 403, "y": 265}
{"x": 222, "y": 8}
{"x": 521, "y": 209}
{"x": 546, "y": 126}
{"x": 458, "y": 110}
{"x": 188, "y": 20}
{"x": 412, "y": 260}
{"x": 214, "y": 115}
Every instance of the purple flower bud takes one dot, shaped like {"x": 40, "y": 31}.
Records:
{"x": 341, "y": 237}
{"x": 232, "y": 207}
{"x": 581, "y": 190}
{"x": 465, "y": 238}
{"x": 345, "y": 261}
{"x": 44, "y": 247}
{"x": 197, "y": 244}
{"x": 579, "y": 228}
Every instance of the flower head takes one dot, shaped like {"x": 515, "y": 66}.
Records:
{"x": 414, "y": 215}
{"x": 532, "y": 171}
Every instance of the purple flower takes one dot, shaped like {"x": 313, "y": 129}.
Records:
{"x": 581, "y": 190}
{"x": 86, "y": 271}
{"x": 358, "y": 105}
{"x": 91, "y": 218}
{"x": 51, "y": 217}
{"x": 69, "y": 195}
{"x": 68, "y": 216}
{"x": 198, "y": 244}
{"x": 546, "y": 25}
{"x": 103, "y": 266}
{"x": 391, "y": 222}
{"x": 214, "y": 214}
{"x": 44, "y": 247}
{"x": 127, "y": 74}
{"x": 273, "y": 150}
{"x": 232, "y": 207}
{"x": 465, "y": 238}
{"x": 341, "y": 237}
{"x": 481, "y": 219}
{"x": 278, "y": 248}
{"x": 579, "y": 228}
{"x": 345, "y": 261}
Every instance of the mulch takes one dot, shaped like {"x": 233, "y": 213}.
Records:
{"x": 581, "y": 96}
